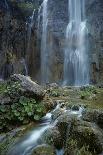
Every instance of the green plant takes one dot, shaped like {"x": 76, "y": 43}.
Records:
{"x": 84, "y": 151}
{"x": 55, "y": 94}
{"x": 21, "y": 109}
{"x": 87, "y": 91}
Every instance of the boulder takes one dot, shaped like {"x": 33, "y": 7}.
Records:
{"x": 29, "y": 88}
{"x": 64, "y": 124}
{"x": 90, "y": 115}
{"x": 89, "y": 136}
{"x": 52, "y": 137}
{"x": 94, "y": 116}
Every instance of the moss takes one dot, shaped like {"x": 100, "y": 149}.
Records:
{"x": 91, "y": 97}
{"x": 72, "y": 149}
{"x": 44, "y": 150}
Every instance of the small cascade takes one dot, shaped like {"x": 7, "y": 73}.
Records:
{"x": 59, "y": 152}
{"x": 76, "y": 68}
{"x": 25, "y": 71}
{"x": 30, "y": 25}
{"x": 44, "y": 50}
{"x": 30, "y": 141}
{"x": 6, "y": 4}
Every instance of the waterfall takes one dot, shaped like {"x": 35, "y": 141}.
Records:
{"x": 76, "y": 68}
{"x": 30, "y": 25}
{"x": 44, "y": 51}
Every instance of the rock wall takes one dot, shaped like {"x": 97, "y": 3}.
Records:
{"x": 14, "y": 24}
{"x": 94, "y": 14}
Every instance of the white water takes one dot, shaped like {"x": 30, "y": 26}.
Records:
{"x": 44, "y": 50}
{"x": 30, "y": 25}
{"x": 6, "y": 4}
{"x": 31, "y": 140}
{"x": 23, "y": 61}
{"x": 76, "y": 68}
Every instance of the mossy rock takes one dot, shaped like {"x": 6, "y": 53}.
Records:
{"x": 52, "y": 137}
{"x": 88, "y": 136}
{"x": 44, "y": 150}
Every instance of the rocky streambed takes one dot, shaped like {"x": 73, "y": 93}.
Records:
{"x": 70, "y": 123}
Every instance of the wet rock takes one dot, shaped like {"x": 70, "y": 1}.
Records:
{"x": 64, "y": 123}
{"x": 84, "y": 133}
{"x": 75, "y": 107}
{"x": 57, "y": 113}
{"x": 29, "y": 87}
{"x": 52, "y": 137}
{"x": 44, "y": 150}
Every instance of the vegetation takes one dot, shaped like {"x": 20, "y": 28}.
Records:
{"x": 20, "y": 109}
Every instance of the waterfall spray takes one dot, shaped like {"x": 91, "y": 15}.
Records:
{"x": 44, "y": 51}
{"x": 76, "y": 68}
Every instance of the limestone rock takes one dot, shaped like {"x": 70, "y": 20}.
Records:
{"x": 30, "y": 88}
{"x": 52, "y": 137}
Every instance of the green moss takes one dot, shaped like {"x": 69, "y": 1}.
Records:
{"x": 72, "y": 148}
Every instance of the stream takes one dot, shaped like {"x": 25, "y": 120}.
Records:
{"x": 28, "y": 142}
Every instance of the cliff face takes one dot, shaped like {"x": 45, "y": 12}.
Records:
{"x": 94, "y": 14}
{"x": 15, "y": 18}
{"x": 15, "y": 30}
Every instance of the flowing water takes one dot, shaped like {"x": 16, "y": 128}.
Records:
{"x": 44, "y": 51}
{"x": 76, "y": 68}
{"x": 29, "y": 27}
{"x": 32, "y": 139}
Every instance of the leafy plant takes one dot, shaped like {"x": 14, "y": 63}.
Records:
{"x": 21, "y": 109}
{"x": 55, "y": 94}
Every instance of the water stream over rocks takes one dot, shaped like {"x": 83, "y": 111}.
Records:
{"x": 30, "y": 141}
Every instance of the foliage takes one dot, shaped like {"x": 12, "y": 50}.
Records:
{"x": 54, "y": 93}
{"x": 87, "y": 91}
{"x": 72, "y": 147}
{"x": 26, "y": 5}
{"x": 84, "y": 151}
{"x": 20, "y": 110}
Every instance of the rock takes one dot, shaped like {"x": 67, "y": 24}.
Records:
{"x": 88, "y": 136}
{"x": 52, "y": 137}
{"x": 75, "y": 107}
{"x": 90, "y": 115}
{"x": 56, "y": 113}
{"x": 93, "y": 116}
{"x": 100, "y": 120}
{"x": 83, "y": 132}
{"x": 64, "y": 123}
{"x": 53, "y": 85}
{"x": 44, "y": 150}
{"x": 30, "y": 88}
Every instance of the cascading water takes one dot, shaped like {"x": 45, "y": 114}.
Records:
{"x": 76, "y": 68}
{"x": 33, "y": 139}
{"x": 44, "y": 51}
{"x": 30, "y": 25}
